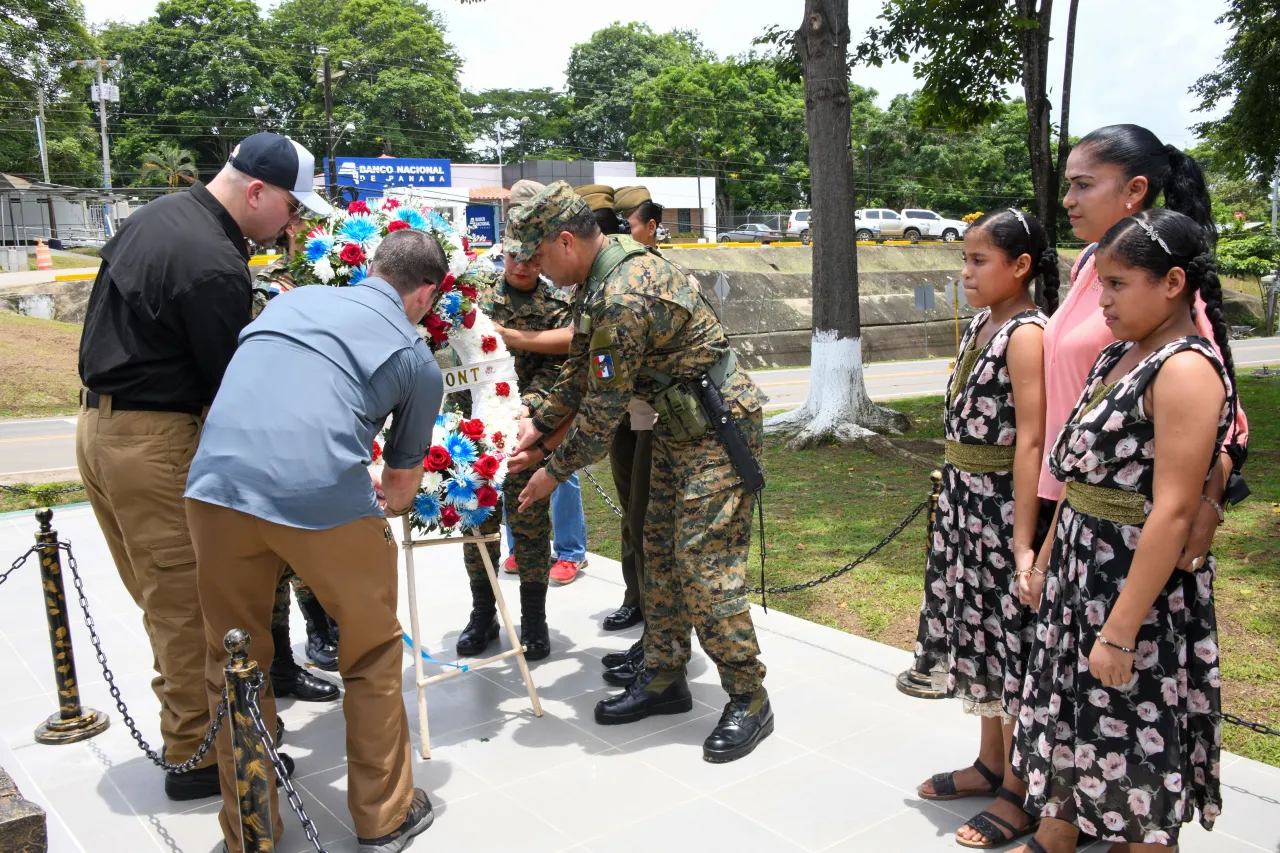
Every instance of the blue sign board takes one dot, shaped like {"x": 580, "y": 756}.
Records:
{"x": 372, "y": 176}
{"x": 482, "y": 224}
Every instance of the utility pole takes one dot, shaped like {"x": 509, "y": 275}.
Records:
{"x": 697, "y": 154}
{"x": 44, "y": 152}
{"x": 103, "y": 97}
{"x": 332, "y": 183}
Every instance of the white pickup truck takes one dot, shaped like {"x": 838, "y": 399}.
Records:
{"x": 912, "y": 223}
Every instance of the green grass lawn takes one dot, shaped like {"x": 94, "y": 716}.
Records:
{"x": 824, "y": 508}
{"x": 40, "y": 377}
{"x": 45, "y": 496}
{"x": 63, "y": 262}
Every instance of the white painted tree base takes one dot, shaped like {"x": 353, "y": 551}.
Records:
{"x": 837, "y": 408}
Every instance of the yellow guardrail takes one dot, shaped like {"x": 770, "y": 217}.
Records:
{"x": 92, "y": 272}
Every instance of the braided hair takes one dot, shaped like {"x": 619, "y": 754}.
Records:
{"x": 1159, "y": 240}
{"x": 1017, "y": 233}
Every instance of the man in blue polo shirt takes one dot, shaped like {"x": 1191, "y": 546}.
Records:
{"x": 281, "y": 478}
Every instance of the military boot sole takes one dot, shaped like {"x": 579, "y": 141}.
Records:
{"x": 741, "y": 751}
{"x": 682, "y": 705}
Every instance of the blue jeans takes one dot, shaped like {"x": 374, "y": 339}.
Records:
{"x": 568, "y": 522}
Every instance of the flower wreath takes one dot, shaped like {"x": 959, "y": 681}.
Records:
{"x": 467, "y": 462}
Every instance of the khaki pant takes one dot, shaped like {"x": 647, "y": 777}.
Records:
{"x": 134, "y": 466}
{"x": 352, "y": 570}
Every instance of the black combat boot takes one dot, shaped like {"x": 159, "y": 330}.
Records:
{"x": 322, "y": 636}
{"x": 616, "y": 659}
{"x": 747, "y": 720}
{"x": 534, "y": 635}
{"x": 289, "y": 679}
{"x": 482, "y": 627}
{"x": 627, "y": 671}
{"x": 651, "y": 693}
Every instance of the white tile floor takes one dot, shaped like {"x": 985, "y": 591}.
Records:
{"x": 839, "y": 774}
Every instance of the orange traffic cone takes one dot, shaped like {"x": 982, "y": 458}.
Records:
{"x": 44, "y": 258}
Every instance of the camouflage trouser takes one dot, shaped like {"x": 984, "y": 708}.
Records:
{"x": 280, "y": 614}
{"x": 530, "y": 529}
{"x": 696, "y": 540}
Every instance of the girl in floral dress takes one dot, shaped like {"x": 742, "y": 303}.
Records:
{"x": 1120, "y": 726}
{"x": 988, "y": 509}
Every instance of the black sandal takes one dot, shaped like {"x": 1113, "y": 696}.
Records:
{"x": 944, "y": 785}
{"x": 1035, "y": 846}
{"x": 992, "y": 836}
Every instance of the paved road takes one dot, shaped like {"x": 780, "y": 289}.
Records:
{"x": 48, "y": 445}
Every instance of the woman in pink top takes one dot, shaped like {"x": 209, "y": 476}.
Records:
{"x": 1112, "y": 173}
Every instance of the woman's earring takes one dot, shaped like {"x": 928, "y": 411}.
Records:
{"x": 1128, "y": 205}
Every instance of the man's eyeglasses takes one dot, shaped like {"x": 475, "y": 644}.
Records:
{"x": 295, "y": 206}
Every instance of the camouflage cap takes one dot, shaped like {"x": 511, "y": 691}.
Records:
{"x": 535, "y": 220}
{"x": 629, "y": 198}
{"x": 524, "y": 189}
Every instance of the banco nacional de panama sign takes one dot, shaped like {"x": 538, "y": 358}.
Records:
{"x": 378, "y": 173}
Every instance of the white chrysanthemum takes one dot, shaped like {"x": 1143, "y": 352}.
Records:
{"x": 431, "y": 481}
{"x": 324, "y": 270}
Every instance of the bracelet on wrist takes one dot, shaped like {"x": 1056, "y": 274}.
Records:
{"x": 1116, "y": 646}
{"x": 1222, "y": 512}
{"x": 396, "y": 513}
{"x": 543, "y": 449}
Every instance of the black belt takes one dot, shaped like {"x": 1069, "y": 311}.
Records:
{"x": 91, "y": 399}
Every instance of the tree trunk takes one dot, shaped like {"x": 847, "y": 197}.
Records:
{"x": 837, "y": 407}
{"x": 1064, "y": 139}
{"x": 1034, "y": 46}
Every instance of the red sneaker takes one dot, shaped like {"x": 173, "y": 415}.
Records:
{"x": 564, "y": 572}
{"x": 509, "y": 565}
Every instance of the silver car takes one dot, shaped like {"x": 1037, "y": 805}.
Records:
{"x": 752, "y": 232}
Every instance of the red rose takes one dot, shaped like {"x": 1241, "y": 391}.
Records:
{"x": 358, "y": 207}
{"x": 503, "y": 389}
{"x": 437, "y": 459}
{"x": 487, "y": 496}
{"x": 390, "y": 204}
{"x": 486, "y": 466}
{"x": 498, "y": 439}
{"x": 473, "y": 429}
{"x": 469, "y": 319}
{"x": 489, "y": 344}
{"x": 352, "y": 255}
{"x": 437, "y": 328}
{"x": 468, "y": 291}
{"x": 449, "y": 517}
{"x": 397, "y": 225}
{"x": 447, "y": 284}
{"x": 377, "y": 450}
{"x": 466, "y": 245}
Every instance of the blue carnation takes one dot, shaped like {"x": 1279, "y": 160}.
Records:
{"x": 451, "y": 302}
{"x": 459, "y": 492}
{"x": 357, "y": 229}
{"x": 461, "y": 448}
{"x": 412, "y": 218}
{"x": 358, "y": 274}
{"x": 438, "y": 222}
{"x": 427, "y": 507}
{"x": 318, "y": 247}
{"x": 471, "y": 518}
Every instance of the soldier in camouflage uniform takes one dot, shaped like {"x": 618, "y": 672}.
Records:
{"x": 287, "y": 677}
{"x": 641, "y": 328}
{"x": 519, "y": 298}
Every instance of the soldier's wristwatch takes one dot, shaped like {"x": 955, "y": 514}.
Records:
{"x": 543, "y": 449}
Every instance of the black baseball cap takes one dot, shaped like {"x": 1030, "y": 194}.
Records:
{"x": 283, "y": 163}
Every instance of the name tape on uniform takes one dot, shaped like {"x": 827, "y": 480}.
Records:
{"x": 468, "y": 376}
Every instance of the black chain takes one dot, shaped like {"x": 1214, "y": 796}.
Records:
{"x": 40, "y": 491}
{"x": 848, "y": 567}
{"x": 1257, "y": 727}
{"x": 282, "y": 773}
{"x": 17, "y": 564}
{"x": 156, "y": 758}
{"x": 603, "y": 494}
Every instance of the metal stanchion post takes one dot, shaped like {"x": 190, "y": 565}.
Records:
{"x": 918, "y": 681}
{"x": 73, "y": 722}
{"x": 252, "y": 781}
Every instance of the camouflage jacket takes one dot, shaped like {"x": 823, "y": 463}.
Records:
{"x": 546, "y": 307}
{"x": 643, "y": 312}
{"x": 275, "y": 273}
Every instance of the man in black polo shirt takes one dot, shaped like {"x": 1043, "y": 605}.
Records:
{"x": 171, "y": 297}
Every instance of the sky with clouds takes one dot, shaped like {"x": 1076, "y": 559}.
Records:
{"x": 1134, "y": 60}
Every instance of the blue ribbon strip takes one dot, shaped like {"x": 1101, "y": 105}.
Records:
{"x": 408, "y": 641}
